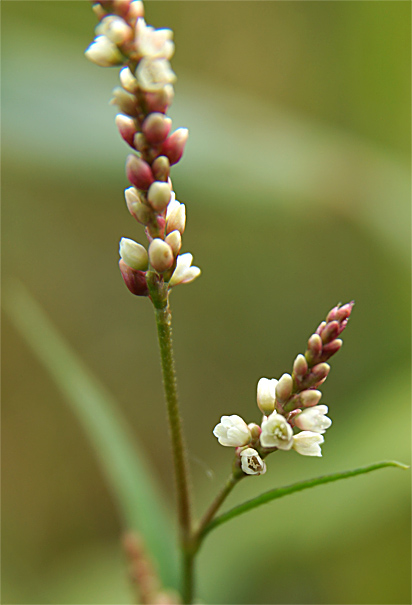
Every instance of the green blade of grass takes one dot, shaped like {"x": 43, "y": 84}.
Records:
{"x": 125, "y": 468}
{"x": 280, "y": 492}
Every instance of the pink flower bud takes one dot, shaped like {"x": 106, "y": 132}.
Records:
{"x": 317, "y": 375}
{"x": 160, "y": 100}
{"x": 127, "y": 128}
{"x": 340, "y": 313}
{"x": 161, "y": 168}
{"x": 139, "y": 172}
{"x": 320, "y": 327}
{"x": 330, "y": 332}
{"x": 134, "y": 280}
{"x": 314, "y": 348}
{"x": 331, "y": 348}
{"x": 160, "y": 255}
{"x": 156, "y": 127}
{"x": 174, "y": 146}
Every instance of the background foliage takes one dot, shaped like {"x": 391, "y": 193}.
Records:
{"x": 296, "y": 178}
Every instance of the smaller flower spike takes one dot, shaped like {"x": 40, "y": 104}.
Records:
{"x": 232, "y": 431}
{"x": 251, "y": 462}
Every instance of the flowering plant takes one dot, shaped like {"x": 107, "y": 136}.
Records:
{"x": 292, "y": 418}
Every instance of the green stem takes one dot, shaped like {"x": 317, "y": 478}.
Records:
{"x": 232, "y": 480}
{"x": 159, "y": 296}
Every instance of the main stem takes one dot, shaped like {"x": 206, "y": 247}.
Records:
{"x": 163, "y": 314}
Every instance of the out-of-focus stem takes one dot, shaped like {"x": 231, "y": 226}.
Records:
{"x": 159, "y": 296}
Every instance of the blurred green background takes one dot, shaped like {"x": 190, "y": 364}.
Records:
{"x": 296, "y": 179}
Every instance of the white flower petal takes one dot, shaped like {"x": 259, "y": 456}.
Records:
{"x": 276, "y": 432}
{"x": 251, "y": 462}
{"x": 232, "y": 431}
{"x": 307, "y": 443}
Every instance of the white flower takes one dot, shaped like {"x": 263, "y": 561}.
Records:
{"x": 115, "y": 28}
{"x": 184, "y": 273}
{"x": 266, "y": 395}
{"x": 232, "y": 431}
{"x": 133, "y": 254}
{"x": 128, "y": 81}
{"x": 175, "y": 215}
{"x": 252, "y": 463}
{"x": 276, "y": 432}
{"x": 154, "y": 43}
{"x": 308, "y": 443}
{"x": 313, "y": 419}
{"x": 154, "y": 74}
{"x": 104, "y": 52}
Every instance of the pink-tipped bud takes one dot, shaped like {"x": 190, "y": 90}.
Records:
{"x": 300, "y": 366}
{"x": 134, "y": 280}
{"x": 160, "y": 255}
{"x": 174, "y": 146}
{"x": 127, "y": 128}
{"x": 284, "y": 388}
{"x": 314, "y": 348}
{"x": 174, "y": 240}
{"x": 330, "y": 332}
{"x": 135, "y": 10}
{"x": 331, "y": 348}
{"x": 340, "y": 313}
{"x": 317, "y": 375}
{"x": 160, "y": 100}
{"x": 255, "y": 431}
{"x": 139, "y": 172}
{"x": 320, "y": 327}
{"x": 156, "y": 128}
{"x": 159, "y": 195}
{"x": 309, "y": 398}
{"x": 161, "y": 168}
{"x": 125, "y": 102}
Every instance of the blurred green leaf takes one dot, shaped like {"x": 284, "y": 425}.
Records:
{"x": 124, "y": 466}
{"x": 279, "y": 492}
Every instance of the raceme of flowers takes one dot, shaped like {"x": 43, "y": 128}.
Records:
{"x": 292, "y": 416}
{"x": 145, "y": 93}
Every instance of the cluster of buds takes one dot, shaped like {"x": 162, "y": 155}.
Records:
{"x": 124, "y": 39}
{"x": 292, "y": 418}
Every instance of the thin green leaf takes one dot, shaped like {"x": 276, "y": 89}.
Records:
{"x": 125, "y": 468}
{"x": 279, "y": 492}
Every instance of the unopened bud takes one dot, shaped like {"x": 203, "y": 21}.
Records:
{"x": 317, "y": 375}
{"x": 330, "y": 332}
{"x": 174, "y": 146}
{"x": 128, "y": 81}
{"x": 135, "y": 206}
{"x": 104, "y": 52}
{"x": 284, "y": 388}
{"x": 139, "y": 142}
{"x": 156, "y": 127}
{"x": 138, "y": 172}
{"x": 127, "y": 128}
{"x": 115, "y": 29}
{"x": 160, "y": 255}
{"x": 133, "y": 254}
{"x": 136, "y": 10}
{"x": 134, "y": 280}
{"x": 99, "y": 11}
{"x": 331, "y": 348}
{"x": 174, "y": 240}
{"x": 266, "y": 395}
{"x": 125, "y": 101}
{"x": 320, "y": 327}
{"x": 314, "y": 348}
{"x": 176, "y": 217}
{"x": 300, "y": 366}
{"x": 158, "y": 195}
{"x": 161, "y": 168}
{"x": 255, "y": 431}
{"x": 309, "y": 398}
{"x": 340, "y": 313}
{"x": 160, "y": 100}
